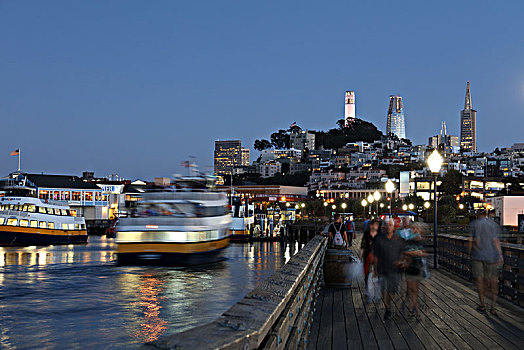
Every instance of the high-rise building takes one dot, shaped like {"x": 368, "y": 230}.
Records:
{"x": 300, "y": 139}
{"x": 349, "y": 110}
{"x": 245, "y": 156}
{"x": 445, "y": 142}
{"x": 395, "y": 123}
{"x": 228, "y": 156}
{"x": 468, "y": 125}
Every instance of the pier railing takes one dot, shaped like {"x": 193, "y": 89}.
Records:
{"x": 275, "y": 315}
{"x": 454, "y": 257}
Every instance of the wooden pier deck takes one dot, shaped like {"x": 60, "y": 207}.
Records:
{"x": 448, "y": 320}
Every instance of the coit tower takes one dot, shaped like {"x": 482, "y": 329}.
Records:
{"x": 349, "y": 111}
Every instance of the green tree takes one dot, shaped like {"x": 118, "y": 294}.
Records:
{"x": 280, "y": 139}
{"x": 451, "y": 183}
{"x": 261, "y": 145}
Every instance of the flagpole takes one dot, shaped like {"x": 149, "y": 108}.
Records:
{"x": 19, "y": 159}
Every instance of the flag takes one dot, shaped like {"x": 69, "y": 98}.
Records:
{"x": 185, "y": 164}
{"x": 293, "y": 125}
{"x": 15, "y": 153}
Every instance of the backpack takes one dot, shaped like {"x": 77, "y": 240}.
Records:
{"x": 338, "y": 240}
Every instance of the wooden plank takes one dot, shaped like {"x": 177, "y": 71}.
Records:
{"x": 367, "y": 334}
{"x": 457, "y": 324}
{"x": 339, "y": 326}
{"x": 494, "y": 335}
{"x": 386, "y": 332}
{"x": 315, "y": 327}
{"x": 351, "y": 322}
{"x": 326, "y": 321}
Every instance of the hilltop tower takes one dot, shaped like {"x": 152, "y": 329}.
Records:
{"x": 349, "y": 110}
{"x": 468, "y": 125}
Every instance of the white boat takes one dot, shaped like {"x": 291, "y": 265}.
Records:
{"x": 242, "y": 222}
{"x": 184, "y": 225}
{"x": 26, "y": 221}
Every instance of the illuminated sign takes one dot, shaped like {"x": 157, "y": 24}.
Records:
{"x": 114, "y": 189}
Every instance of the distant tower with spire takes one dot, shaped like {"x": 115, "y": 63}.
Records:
{"x": 395, "y": 121}
{"x": 468, "y": 125}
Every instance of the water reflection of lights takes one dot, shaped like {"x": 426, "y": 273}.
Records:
{"x": 149, "y": 292}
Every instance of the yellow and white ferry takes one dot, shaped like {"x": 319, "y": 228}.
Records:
{"x": 26, "y": 221}
{"x": 187, "y": 224}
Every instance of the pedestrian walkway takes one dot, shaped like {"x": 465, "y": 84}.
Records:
{"x": 448, "y": 320}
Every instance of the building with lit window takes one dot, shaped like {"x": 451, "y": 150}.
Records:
{"x": 245, "y": 156}
{"x": 468, "y": 125}
{"x": 445, "y": 142}
{"x": 302, "y": 139}
{"x": 395, "y": 122}
{"x": 228, "y": 156}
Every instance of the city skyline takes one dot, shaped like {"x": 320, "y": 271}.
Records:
{"x": 137, "y": 91}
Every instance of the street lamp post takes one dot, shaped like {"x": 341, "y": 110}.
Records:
{"x": 390, "y": 188}
{"x": 370, "y": 200}
{"x": 376, "y": 197}
{"x": 364, "y": 203}
{"x": 426, "y": 205}
{"x": 435, "y": 163}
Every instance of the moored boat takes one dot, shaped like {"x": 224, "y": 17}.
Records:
{"x": 186, "y": 224}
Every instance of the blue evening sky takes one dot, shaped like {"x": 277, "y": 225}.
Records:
{"x": 135, "y": 87}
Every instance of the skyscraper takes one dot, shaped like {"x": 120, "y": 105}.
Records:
{"x": 349, "y": 110}
{"x": 228, "y": 155}
{"x": 468, "y": 125}
{"x": 395, "y": 122}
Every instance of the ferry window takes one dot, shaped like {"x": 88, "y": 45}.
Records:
{"x": 77, "y": 226}
{"x": 43, "y": 195}
{"x": 64, "y": 212}
{"x": 67, "y": 195}
{"x": 42, "y": 210}
{"x": 57, "y": 211}
{"x": 64, "y": 226}
{"x": 34, "y": 223}
{"x": 104, "y": 197}
{"x": 32, "y": 208}
{"x": 17, "y": 207}
{"x": 42, "y": 224}
{"x": 12, "y": 222}
{"x": 51, "y": 225}
{"x": 88, "y": 196}
{"x": 83, "y": 226}
{"x": 24, "y": 223}
{"x": 56, "y": 196}
{"x": 11, "y": 207}
{"x": 73, "y": 212}
{"x": 2, "y": 221}
{"x": 71, "y": 226}
{"x": 1, "y": 208}
{"x": 24, "y": 208}
{"x": 76, "y": 196}
{"x": 50, "y": 211}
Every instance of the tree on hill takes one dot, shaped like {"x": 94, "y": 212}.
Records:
{"x": 451, "y": 182}
{"x": 261, "y": 145}
{"x": 280, "y": 139}
{"x": 359, "y": 130}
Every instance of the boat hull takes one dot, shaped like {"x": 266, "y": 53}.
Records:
{"x": 171, "y": 254}
{"x": 239, "y": 235}
{"x": 17, "y": 237}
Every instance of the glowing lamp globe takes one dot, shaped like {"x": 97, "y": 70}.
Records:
{"x": 364, "y": 202}
{"x": 390, "y": 186}
{"x": 376, "y": 195}
{"x": 435, "y": 162}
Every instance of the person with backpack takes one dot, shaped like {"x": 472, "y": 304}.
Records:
{"x": 337, "y": 233}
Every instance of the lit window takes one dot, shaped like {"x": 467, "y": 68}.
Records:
{"x": 64, "y": 226}
{"x": 24, "y": 208}
{"x": 31, "y": 208}
{"x": 77, "y": 226}
{"x": 42, "y": 224}
{"x": 34, "y": 223}
{"x": 63, "y": 212}
{"x": 50, "y": 211}
{"x": 51, "y": 225}
{"x": 24, "y": 223}
{"x": 12, "y": 222}
{"x": 57, "y": 211}
{"x": 2, "y": 221}
{"x": 42, "y": 210}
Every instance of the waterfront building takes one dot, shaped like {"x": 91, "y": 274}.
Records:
{"x": 468, "y": 125}
{"x": 228, "y": 155}
{"x": 302, "y": 139}
{"x": 349, "y": 110}
{"x": 395, "y": 122}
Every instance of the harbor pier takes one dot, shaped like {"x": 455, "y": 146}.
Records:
{"x": 293, "y": 310}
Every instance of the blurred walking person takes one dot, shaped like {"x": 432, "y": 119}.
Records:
{"x": 486, "y": 258}
{"x": 387, "y": 250}
{"x": 366, "y": 256}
